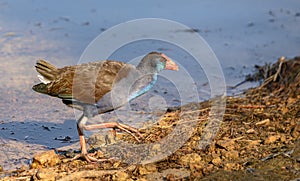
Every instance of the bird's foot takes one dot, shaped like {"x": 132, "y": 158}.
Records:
{"x": 130, "y": 130}
{"x": 90, "y": 157}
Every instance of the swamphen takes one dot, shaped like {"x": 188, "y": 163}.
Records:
{"x": 101, "y": 87}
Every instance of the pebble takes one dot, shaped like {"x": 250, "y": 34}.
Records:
{"x": 227, "y": 144}
{"x": 271, "y": 139}
{"x": 250, "y": 24}
{"x": 232, "y": 166}
{"x": 233, "y": 155}
{"x": 217, "y": 161}
{"x": 45, "y": 174}
{"x": 188, "y": 159}
{"x": 45, "y": 159}
{"x": 264, "y": 122}
{"x": 147, "y": 169}
{"x": 250, "y": 131}
{"x": 120, "y": 176}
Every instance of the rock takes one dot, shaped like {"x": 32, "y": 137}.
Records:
{"x": 120, "y": 176}
{"x": 227, "y": 144}
{"x": 147, "y": 169}
{"x": 45, "y": 174}
{"x": 217, "y": 161}
{"x": 48, "y": 158}
{"x": 250, "y": 131}
{"x": 188, "y": 159}
{"x": 263, "y": 122}
{"x": 232, "y": 166}
{"x": 271, "y": 139}
{"x": 232, "y": 155}
{"x": 250, "y": 24}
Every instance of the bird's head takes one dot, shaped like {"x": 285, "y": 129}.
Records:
{"x": 155, "y": 62}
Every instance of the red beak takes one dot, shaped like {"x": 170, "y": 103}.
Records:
{"x": 170, "y": 65}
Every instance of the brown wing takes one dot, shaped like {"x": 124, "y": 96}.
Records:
{"x": 86, "y": 82}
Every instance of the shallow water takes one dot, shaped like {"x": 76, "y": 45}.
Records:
{"x": 241, "y": 34}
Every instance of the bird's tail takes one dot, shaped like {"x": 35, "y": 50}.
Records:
{"x": 48, "y": 71}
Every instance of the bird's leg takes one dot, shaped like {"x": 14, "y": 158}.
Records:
{"x": 130, "y": 130}
{"x": 84, "y": 153}
{"x": 81, "y": 125}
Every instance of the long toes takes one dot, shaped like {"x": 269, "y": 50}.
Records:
{"x": 136, "y": 138}
{"x": 93, "y": 159}
{"x": 130, "y": 130}
{"x": 76, "y": 157}
{"x": 89, "y": 158}
{"x": 136, "y": 134}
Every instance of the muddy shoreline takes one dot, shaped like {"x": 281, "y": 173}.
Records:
{"x": 258, "y": 140}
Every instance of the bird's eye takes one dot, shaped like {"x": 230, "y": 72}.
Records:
{"x": 162, "y": 60}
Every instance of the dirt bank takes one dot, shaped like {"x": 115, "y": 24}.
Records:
{"x": 258, "y": 140}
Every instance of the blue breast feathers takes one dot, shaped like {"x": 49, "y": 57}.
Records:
{"x": 144, "y": 89}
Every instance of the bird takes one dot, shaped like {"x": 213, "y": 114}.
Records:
{"x": 100, "y": 87}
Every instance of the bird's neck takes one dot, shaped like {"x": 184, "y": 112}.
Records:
{"x": 144, "y": 88}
